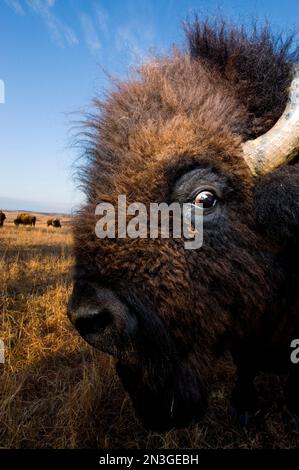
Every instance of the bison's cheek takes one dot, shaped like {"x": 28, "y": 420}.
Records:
{"x": 174, "y": 399}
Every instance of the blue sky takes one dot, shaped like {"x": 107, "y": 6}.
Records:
{"x": 52, "y": 57}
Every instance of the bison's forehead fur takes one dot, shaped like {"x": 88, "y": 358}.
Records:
{"x": 173, "y": 110}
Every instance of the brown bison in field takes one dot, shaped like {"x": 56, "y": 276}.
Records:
{"x": 204, "y": 125}
{"x": 2, "y": 218}
{"x": 54, "y": 223}
{"x": 25, "y": 219}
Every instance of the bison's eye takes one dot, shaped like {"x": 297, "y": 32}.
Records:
{"x": 208, "y": 199}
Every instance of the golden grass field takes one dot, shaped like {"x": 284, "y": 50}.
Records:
{"x": 57, "y": 392}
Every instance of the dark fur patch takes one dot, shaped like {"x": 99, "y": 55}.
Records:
{"x": 257, "y": 63}
{"x": 277, "y": 205}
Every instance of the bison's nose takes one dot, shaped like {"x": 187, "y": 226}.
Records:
{"x": 102, "y": 319}
{"x": 94, "y": 322}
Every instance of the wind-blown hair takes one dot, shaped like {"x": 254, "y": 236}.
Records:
{"x": 257, "y": 63}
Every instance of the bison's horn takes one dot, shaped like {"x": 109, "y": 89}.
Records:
{"x": 281, "y": 143}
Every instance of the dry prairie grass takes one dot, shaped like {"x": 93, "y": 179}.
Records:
{"x": 57, "y": 392}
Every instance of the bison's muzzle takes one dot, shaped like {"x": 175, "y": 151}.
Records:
{"x": 165, "y": 391}
{"x": 102, "y": 319}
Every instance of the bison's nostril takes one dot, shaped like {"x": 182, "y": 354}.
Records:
{"x": 94, "y": 323}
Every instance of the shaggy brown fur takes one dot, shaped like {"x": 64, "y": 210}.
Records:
{"x": 179, "y": 114}
{"x": 258, "y": 65}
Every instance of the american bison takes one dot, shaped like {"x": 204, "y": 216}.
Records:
{"x": 54, "y": 223}
{"x": 209, "y": 124}
{"x": 25, "y": 219}
{"x": 2, "y": 218}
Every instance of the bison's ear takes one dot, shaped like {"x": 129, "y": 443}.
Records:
{"x": 276, "y": 202}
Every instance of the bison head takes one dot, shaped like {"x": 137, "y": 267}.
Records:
{"x": 176, "y": 131}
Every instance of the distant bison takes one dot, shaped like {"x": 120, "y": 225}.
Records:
{"x": 54, "y": 223}
{"x": 25, "y": 219}
{"x": 2, "y": 218}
